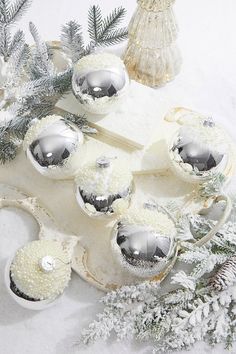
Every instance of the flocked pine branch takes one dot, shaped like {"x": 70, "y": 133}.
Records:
{"x": 41, "y": 64}
{"x": 9, "y": 14}
{"x": 173, "y": 321}
{"x": 72, "y": 40}
{"x": 18, "y": 41}
{"x": 5, "y": 41}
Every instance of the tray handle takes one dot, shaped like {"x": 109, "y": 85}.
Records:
{"x": 220, "y": 223}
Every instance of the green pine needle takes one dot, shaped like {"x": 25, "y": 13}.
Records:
{"x": 94, "y": 22}
{"x": 112, "y": 21}
{"x": 115, "y": 37}
{"x": 104, "y": 31}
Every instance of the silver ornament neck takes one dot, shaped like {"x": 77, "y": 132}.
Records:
{"x": 209, "y": 122}
{"x": 47, "y": 264}
{"x": 103, "y": 162}
{"x": 150, "y": 205}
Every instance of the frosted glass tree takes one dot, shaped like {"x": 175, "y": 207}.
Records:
{"x": 152, "y": 56}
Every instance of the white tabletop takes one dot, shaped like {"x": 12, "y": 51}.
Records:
{"x": 207, "y": 83}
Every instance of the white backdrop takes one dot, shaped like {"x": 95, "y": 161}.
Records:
{"x": 207, "y": 83}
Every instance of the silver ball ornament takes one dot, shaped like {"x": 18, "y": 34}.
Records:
{"x": 198, "y": 151}
{"x": 101, "y": 183}
{"x": 53, "y": 146}
{"x": 141, "y": 245}
{"x": 142, "y": 241}
{"x": 99, "y": 82}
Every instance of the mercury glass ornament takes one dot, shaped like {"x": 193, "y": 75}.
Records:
{"x": 198, "y": 151}
{"x": 152, "y": 56}
{"x": 53, "y": 147}
{"x": 100, "y": 82}
{"x": 143, "y": 240}
{"x": 38, "y": 274}
{"x": 99, "y": 184}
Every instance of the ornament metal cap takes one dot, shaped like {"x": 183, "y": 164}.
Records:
{"x": 209, "y": 122}
{"x": 150, "y": 204}
{"x": 47, "y": 264}
{"x": 104, "y": 162}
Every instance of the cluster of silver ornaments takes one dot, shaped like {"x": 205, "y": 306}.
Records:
{"x": 141, "y": 248}
{"x": 99, "y": 82}
{"x": 195, "y": 156}
{"x": 53, "y": 147}
{"x": 99, "y": 184}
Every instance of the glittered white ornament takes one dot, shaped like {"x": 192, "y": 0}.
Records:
{"x": 53, "y": 147}
{"x": 99, "y": 185}
{"x": 99, "y": 82}
{"x": 142, "y": 240}
{"x": 38, "y": 273}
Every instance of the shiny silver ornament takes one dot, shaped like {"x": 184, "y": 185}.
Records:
{"x": 94, "y": 191}
{"x": 52, "y": 148}
{"x": 143, "y": 240}
{"x": 141, "y": 245}
{"x": 101, "y": 83}
{"x": 201, "y": 156}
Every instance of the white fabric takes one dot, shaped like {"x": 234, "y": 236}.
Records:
{"x": 207, "y": 83}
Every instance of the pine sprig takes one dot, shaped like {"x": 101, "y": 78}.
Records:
{"x": 18, "y": 41}
{"x": 4, "y": 11}
{"x": 114, "y": 37}
{"x": 41, "y": 64}
{"x": 5, "y": 41}
{"x": 94, "y": 22}
{"x": 72, "y": 40}
{"x": 111, "y": 22}
{"x": 10, "y": 14}
{"x": 17, "y": 10}
{"x": 104, "y": 32}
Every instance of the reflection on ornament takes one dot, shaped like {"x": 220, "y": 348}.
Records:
{"x": 99, "y": 82}
{"x": 53, "y": 147}
{"x": 100, "y": 184}
{"x": 143, "y": 240}
{"x": 38, "y": 273}
{"x": 141, "y": 244}
{"x": 199, "y": 156}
